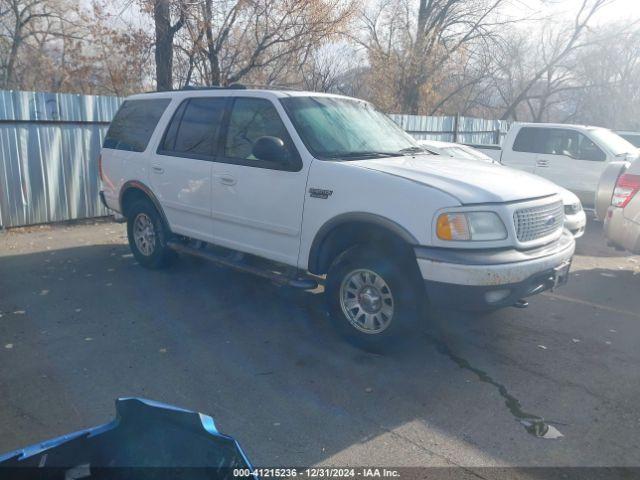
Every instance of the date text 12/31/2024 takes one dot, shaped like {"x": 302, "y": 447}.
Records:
{"x": 317, "y": 472}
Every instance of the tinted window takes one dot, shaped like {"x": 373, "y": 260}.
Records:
{"x": 252, "y": 118}
{"x": 526, "y": 140}
{"x": 193, "y": 131}
{"x": 133, "y": 125}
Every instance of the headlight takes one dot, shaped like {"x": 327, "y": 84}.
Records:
{"x": 573, "y": 209}
{"x": 470, "y": 226}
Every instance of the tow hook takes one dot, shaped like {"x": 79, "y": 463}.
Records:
{"x": 522, "y": 303}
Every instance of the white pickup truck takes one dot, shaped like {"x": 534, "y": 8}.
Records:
{"x": 306, "y": 188}
{"x": 573, "y": 156}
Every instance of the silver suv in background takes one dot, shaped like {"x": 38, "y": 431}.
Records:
{"x": 620, "y": 184}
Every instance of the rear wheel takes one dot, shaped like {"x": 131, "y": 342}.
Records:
{"x": 148, "y": 235}
{"x": 374, "y": 299}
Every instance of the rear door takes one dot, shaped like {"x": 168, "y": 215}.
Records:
{"x": 522, "y": 154}
{"x": 257, "y": 205}
{"x": 181, "y": 169}
{"x": 572, "y": 160}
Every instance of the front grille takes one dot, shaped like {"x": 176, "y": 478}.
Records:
{"x": 537, "y": 222}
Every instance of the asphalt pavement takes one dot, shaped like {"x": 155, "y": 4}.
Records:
{"x": 82, "y": 324}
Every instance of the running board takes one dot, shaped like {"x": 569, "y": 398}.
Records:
{"x": 281, "y": 279}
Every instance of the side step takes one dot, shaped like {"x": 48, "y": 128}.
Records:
{"x": 281, "y": 279}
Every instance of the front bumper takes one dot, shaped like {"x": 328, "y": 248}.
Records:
{"x": 488, "y": 279}
{"x": 622, "y": 232}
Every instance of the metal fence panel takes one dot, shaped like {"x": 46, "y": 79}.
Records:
{"x": 39, "y": 106}
{"x": 49, "y": 144}
{"x": 452, "y": 128}
{"x": 49, "y": 173}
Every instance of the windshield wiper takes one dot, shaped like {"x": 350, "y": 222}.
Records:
{"x": 413, "y": 150}
{"x": 362, "y": 154}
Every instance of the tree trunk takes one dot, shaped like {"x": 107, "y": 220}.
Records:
{"x": 13, "y": 56}
{"x": 164, "y": 45}
{"x": 212, "y": 53}
{"x": 411, "y": 97}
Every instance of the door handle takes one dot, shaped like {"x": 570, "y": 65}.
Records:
{"x": 542, "y": 163}
{"x": 227, "y": 180}
{"x": 158, "y": 170}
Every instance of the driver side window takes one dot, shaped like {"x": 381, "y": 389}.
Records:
{"x": 252, "y": 118}
{"x": 560, "y": 142}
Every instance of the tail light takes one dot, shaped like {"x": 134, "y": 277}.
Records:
{"x": 100, "y": 167}
{"x": 626, "y": 187}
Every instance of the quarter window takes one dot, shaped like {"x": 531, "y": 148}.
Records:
{"x": 133, "y": 125}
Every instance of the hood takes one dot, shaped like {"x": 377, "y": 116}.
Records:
{"x": 470, "y": 181}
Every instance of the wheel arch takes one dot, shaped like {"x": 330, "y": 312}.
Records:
{"x": 133, "y": 190}
{"x": 349, "y": 229}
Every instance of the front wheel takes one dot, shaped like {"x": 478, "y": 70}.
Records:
{"x": 374, "y": 300}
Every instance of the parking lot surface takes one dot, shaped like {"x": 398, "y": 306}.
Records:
{"x": 82, "y": 324}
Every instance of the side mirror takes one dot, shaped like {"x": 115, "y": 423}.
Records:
{"x": 270, "y": 149}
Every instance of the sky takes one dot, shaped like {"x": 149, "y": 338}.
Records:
{"x": 618, "y": 10}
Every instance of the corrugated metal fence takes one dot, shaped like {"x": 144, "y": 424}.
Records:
{"x": 49, "y": 144}
{"x": 456, "y": 128}
{"x": 48, "y": 149}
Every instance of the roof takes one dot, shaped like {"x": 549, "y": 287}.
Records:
{"x": 556, "y": 125}
{"x": 234, "y": 91}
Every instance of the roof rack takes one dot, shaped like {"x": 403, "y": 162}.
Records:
{"x": 233, "y": 86}
{"x": 240, "y": 86}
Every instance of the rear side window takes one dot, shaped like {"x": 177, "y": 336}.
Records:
{"x": 527, "y": 140}
{"x": 133, "y": 125}
{"x": 193, "y": 131}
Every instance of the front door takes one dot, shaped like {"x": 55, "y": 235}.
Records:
{"x": 573, "y": 161}
{"x": 257, "y": 205}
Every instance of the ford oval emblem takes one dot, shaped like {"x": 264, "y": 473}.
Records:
{"x": 550, "y": 220}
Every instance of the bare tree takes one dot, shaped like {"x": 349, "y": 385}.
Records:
{"x": 163, "y": 12}
{"x": 18, "y": 20}
{"x": 414, "y": 45}
{"x": 553, "y": 48}
{"x": 228, "y": 41}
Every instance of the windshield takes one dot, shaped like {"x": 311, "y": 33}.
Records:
{"x": 340, "y": 128}
{"x": 633, "y": 139}
{"x": 612, "y": 141}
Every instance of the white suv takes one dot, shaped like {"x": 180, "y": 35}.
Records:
{"x": 306, "y": 188}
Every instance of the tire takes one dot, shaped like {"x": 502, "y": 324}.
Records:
{"x": 150, "y": 249}
{"x": 383, "y": 317}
